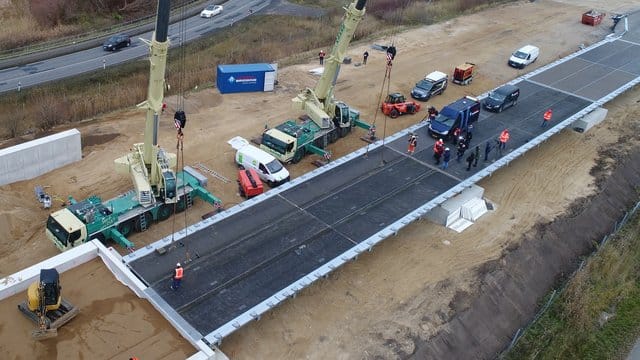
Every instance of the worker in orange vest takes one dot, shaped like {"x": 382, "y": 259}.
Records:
{"x": 413, "y": 142}
{"x": 504, "y": 137}
{"x": 546, "y": 117}
{"x": 178, "y": 272}
{"x": 438, "y": 150}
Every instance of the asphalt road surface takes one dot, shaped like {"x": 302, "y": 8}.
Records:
{"x": 96, "y": 59}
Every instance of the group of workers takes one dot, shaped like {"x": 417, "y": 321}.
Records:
{"x": 462, "y": 139}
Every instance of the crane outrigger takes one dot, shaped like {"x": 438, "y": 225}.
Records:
{"x": 159, "y": 190}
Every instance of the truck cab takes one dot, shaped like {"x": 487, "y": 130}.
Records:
{"x": 74, "y": 231}
{"x": 458, "y": 114}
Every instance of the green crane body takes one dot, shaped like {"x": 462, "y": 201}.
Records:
{"x": 159, "y": 191}
{"x": 329, "y": 119}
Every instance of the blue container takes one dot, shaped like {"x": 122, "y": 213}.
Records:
{"x": 245, "y": 78}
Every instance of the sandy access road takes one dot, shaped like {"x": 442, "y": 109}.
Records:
{"x": 407, "y": 284}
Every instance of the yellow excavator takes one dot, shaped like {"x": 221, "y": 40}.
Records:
{"x": 45, "y": 305}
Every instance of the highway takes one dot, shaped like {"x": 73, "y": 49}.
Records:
{"x": 96, "y": 59}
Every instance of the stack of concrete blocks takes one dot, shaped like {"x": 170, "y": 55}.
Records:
{"x": 34, "y": 158}
{"x": 590, "y": 120}
{"x": 459, "y": 212}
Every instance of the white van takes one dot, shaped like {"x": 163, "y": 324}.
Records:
{"x": 524, "y": 56}
{"x": 269, "y": 169}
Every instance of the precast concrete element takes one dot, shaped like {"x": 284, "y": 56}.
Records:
{"x": 34, "y": 158}
{"x": 590, "y": 120}
{"x": 450, "y": 210}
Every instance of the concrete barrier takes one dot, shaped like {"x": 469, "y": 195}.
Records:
{"x": 34, "y": 158}
{"x": 590, "y": 120}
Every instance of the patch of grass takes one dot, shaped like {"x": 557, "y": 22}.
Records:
{"x": 574, "y": 327}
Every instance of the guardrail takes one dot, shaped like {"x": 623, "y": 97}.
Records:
{"x": 40, "y": 51}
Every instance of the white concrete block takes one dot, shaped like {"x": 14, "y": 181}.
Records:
{"x": 449, "y": 211}
{"x": 21, "y": 280}
{"x": 34, "y": 158}
{"x": 590, "y": 120}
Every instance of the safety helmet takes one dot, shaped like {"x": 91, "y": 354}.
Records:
{"x": 446, "y": 149}
{"x": 178, "y": 265}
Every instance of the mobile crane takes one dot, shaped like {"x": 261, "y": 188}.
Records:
{"x": 159, "y": 191}
{"x": 327, "y": 119}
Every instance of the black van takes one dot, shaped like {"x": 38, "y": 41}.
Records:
{"x": 502, "y": 98}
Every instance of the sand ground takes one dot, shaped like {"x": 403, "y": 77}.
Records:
{"x": 361, "y": 306}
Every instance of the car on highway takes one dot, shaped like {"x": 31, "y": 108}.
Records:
{"x": 116, "y": 42}
{"x": 211, "y": 11}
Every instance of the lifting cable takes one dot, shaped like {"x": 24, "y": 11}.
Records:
{"x": 180, "y": 120}
{"x": 390, "y": 56}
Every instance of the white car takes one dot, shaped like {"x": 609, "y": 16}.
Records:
{"x": 211, "y": 11}
{"x": 524, "y": 56}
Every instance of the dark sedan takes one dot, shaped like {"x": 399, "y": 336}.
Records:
{"x": 116, "y": 42}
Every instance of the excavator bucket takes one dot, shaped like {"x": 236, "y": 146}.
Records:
{"x": 44, "y": 334}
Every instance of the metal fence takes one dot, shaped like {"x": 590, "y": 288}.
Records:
{"x": 556, "y": 292}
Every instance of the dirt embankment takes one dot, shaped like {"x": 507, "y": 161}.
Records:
{"x": 508, "y": 291}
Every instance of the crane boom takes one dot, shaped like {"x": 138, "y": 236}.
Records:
{"x": 150, "y": 166}
{"x": 318, "y": 103}
{"x": 155, "y": 94}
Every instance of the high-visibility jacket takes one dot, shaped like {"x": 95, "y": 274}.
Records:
{"x": 179, "y": 273}
{"x": 547, "y": 115}
{"x": 504, "y": 136}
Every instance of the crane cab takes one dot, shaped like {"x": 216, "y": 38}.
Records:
{"x": 46, "y": 292}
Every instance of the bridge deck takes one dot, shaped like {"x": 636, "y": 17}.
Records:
{"x": 240, "y": 259}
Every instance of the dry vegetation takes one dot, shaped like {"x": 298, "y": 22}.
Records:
{"x": 26, "y": 22}
{"x": 608, "y": 287}
{"x": 44, "y": 107}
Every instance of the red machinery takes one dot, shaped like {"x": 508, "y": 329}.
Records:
{"x": 395, "y": 105}
{"x": 463, "y": 74}
{"x": 249, "y": 184}
{"x": 592, "y": 17}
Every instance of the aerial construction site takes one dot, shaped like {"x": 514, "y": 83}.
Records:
{"x": 369, "y": 248}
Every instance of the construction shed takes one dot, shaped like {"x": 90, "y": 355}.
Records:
{"x": 237, "y": 78}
